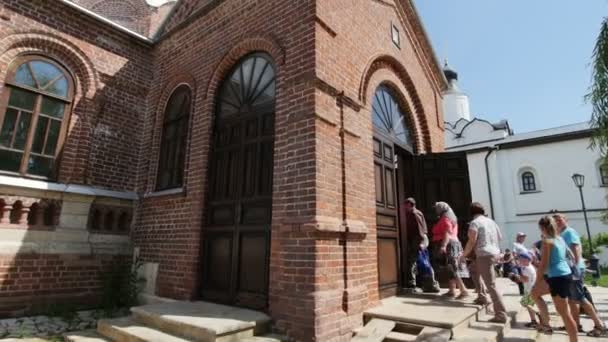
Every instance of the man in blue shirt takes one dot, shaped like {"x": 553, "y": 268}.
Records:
{"x": 577, "y": 292}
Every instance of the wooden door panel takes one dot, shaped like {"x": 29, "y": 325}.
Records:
{"x": 218, "y": 249}
{"x": 387, "y": 220}
{"x": 252, "y": 263}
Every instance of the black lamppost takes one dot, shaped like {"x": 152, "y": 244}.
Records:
{"x": 579, "y": 181}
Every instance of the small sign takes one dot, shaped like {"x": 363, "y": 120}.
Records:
{"x": 395, "y": 35}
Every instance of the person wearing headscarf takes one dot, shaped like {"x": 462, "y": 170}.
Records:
{"x": 448, "y": 249}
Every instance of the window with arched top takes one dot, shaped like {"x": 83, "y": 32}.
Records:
{"x": 173, "y": 141}
{"x": 389, "y": 118}
{"x": 34, "y": 112}
{"x": 528, "y": 182}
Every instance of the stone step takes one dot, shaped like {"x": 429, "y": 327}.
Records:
{"x": 203, "y": 321}
{"x": 400, "y": 337}
{"x": 126, "y": 329}
{"x": 84, "y": 336}
{"x": 266, "y": 338}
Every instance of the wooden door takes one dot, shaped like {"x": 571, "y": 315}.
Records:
{"x": 444, "y": 177}
{"x": 236, "y": 237}
{"x": 387, "y": 218}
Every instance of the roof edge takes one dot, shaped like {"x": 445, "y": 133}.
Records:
{"x": 107, "y": 21}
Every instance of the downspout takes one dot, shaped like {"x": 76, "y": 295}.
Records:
{"x": 490, "y": 150}
{"x": 340, "y": 100}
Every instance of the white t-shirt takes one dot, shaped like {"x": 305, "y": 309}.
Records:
{"x": 488, "y": 236}
{"x": 529, "y": 272}
{"x": 519, "y": 248}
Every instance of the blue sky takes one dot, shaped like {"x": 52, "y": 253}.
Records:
{"x": 524, "y": 60}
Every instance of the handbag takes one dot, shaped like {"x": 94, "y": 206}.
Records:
{"x": 423, "y": 262}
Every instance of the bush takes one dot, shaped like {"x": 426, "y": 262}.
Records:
{"x": 121, "y": 286}
{"x": 598, "y": 240}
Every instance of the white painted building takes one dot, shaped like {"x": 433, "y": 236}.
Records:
{"x": 520, "y": 177}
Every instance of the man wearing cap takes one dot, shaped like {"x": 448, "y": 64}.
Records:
{"x": 518, "y": 246}
{"x": 416, "y": 230}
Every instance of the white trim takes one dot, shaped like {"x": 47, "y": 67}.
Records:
{"x": 173, "y": 191}
{"x": 68, "y": 188}
{"x": 107, "y": 21}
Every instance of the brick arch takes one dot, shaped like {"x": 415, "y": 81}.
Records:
{"x": 385, "y": 69}
{"x": 260, "y": 44}
{"x": 182, "y": 78}
{"x": 61, "y": 50}
{"x": 86, "y": 100}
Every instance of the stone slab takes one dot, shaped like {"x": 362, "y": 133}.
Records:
{"x": 375, "y": 330}
{"x": 265, "y": 338}
{"x": 126, "y": 329}
{"x": 202, "y": 321}
{"x": 432, "y": 311}
{"x": 394, "y": 336}
{"x": 84, "y": 336}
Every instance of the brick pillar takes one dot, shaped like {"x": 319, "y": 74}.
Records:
{"x": 6, "y": 214}
{"x": 23, "y": 213}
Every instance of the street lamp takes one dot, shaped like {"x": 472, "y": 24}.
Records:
{"x": 579, "y": 181}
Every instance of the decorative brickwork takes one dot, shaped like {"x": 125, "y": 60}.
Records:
{"x": 29, "y": 213}
{"x": 109, "y": 219}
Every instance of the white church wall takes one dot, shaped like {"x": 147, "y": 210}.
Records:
{"x": 553, "y": 165}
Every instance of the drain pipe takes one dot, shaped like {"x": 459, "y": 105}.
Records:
{"x": 490, "y": 150}
{"x": 340, "y": 100}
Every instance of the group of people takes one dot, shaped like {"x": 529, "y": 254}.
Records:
{"x": 554, "y": 266}
{"x": 475, "y": 260}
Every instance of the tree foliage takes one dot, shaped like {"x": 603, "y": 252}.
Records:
{"x": 598, "y": 95}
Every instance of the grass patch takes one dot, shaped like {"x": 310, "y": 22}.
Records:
{"x": 602, "y": 281}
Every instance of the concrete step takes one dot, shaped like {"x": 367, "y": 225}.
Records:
{"x": 84, "y": 336}
{"x": 400, "y": 337}
{"x": 203, "y": 321}
{"x": 266, "y": 338}
{"x": 480, "y": 327}
{"x": 126, "y": 329}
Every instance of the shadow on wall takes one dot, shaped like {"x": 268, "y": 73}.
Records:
{"x": 57, "y": 240}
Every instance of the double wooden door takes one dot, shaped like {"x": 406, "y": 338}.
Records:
{"x": 427, "y": 178}
{"x": 237, "y": 234}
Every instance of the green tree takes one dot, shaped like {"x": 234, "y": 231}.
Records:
{"x": 598, "y": 94}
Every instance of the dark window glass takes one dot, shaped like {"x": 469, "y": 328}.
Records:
{"x": 250, "y": 88}
{"x": 38, "y": 95}
{"x": 173, "y": 141}
{"x": 389, "y": 117}
{"x": 604, "y": 174}
{"x": 528, "y": 182}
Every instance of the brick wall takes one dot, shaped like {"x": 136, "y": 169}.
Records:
{"x": 168, "y": 228}
{"x": 330, "y": 56}
{"x": 30, "y": 283}
{"x": 111, "y": 71}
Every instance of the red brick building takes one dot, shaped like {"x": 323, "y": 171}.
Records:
{"x": 246, "y": 150}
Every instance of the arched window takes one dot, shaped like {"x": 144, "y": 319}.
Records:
{"x": 528, "y": 183}
{"x": 388, "y": 116}
{"x": 604, "y": 175}
{"x": 34, "y": 110}
{"x": 174, "y": 136}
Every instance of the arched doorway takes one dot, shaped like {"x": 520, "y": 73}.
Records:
{"x": 236, "y": 236}
{"x": 393, "y": 150}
